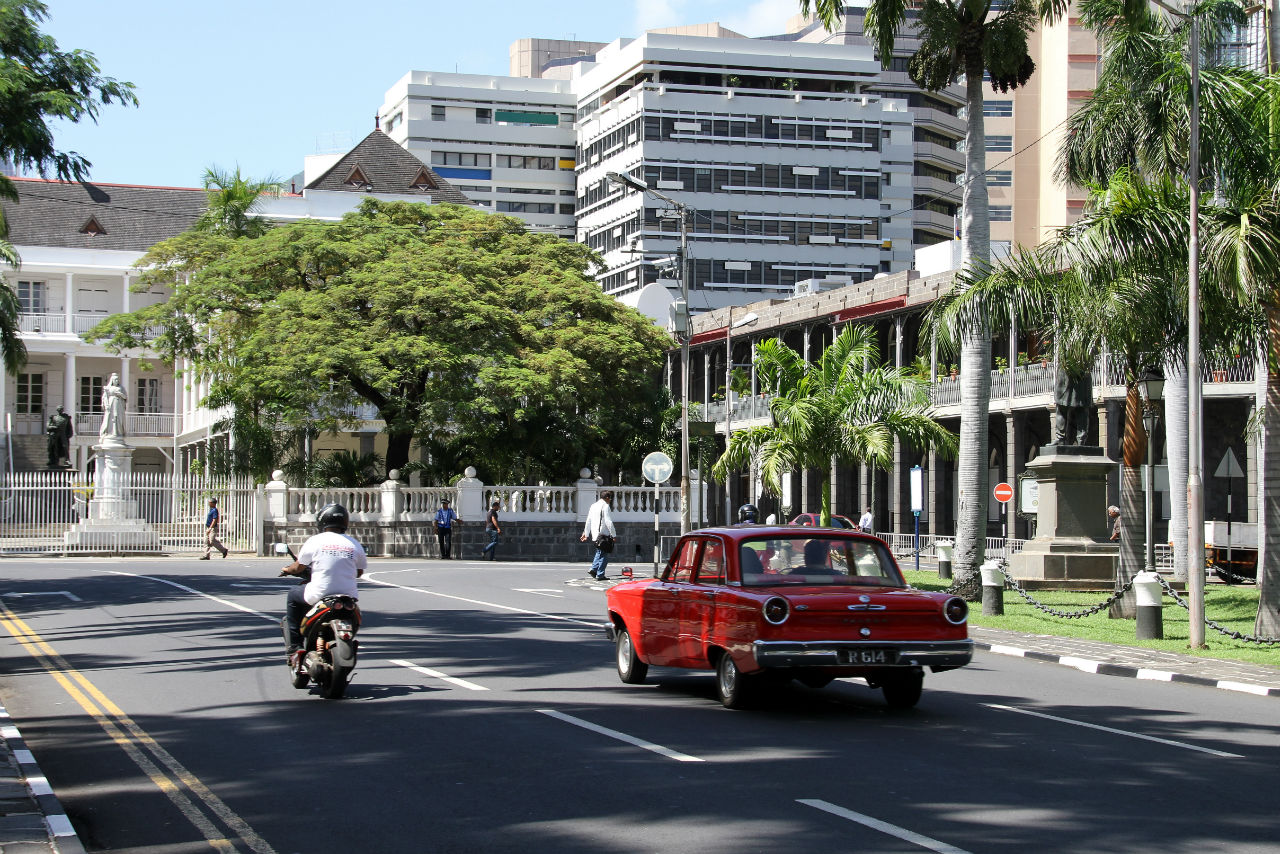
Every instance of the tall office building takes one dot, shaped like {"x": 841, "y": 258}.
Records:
{"x": 806, "y": 164}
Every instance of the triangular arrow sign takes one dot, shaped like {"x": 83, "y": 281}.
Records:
{"x": 1229, "y": 467}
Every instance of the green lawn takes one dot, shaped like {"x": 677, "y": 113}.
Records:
{"x": 1233, "y": 608}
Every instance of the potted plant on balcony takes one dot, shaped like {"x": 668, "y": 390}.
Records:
{"x": 1001, "y": 364}
{"x": 1219, "y": 375}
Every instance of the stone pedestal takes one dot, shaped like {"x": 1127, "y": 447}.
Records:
{"x": 1071, "y": 544}
{"x": 113, "y": 524}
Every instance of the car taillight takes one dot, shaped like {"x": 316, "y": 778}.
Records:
{"x": 776, "y": 610}
{"x": 956, "y": 610}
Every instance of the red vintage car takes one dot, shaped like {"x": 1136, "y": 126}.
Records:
{"x": 763, "y": 605}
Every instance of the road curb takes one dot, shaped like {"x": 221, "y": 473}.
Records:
{"x": 62, "y": 836}
{"x": 1104, "y": 668}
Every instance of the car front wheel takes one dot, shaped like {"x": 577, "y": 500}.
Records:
{"x": 631, "y": 669}
{"x": 902, "y": 690}
{"x": 733, "y": 688}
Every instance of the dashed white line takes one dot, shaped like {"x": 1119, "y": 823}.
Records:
{"x": 621, "y": 736}
{"x": 595, "y": 625}
{"x": 444, "y": 677}
{"x": 1113, "y": 731}
{"x": 217, "y": 599}
{"x": 539, "y": 591}
{"x": 883, "y": 826}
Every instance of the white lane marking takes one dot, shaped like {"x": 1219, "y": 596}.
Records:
{"x": 621, "y": 736}
{"x": 67, "y": 593}
{"x": 883, "y": 826}
{"x": 1126, "y": 733}
{"x": 262, "y": 588}
{"x": 596, "y": 625}
{"x": 217, "y": 599}
{"x": 427, "y": 671}
{"x": 538, "y": 591}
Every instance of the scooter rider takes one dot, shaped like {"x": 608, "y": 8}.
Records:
{"x": 331, "y": 562}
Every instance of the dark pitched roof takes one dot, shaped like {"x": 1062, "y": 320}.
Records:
{"x": 99, "y": 216}
{"x": 379, "y": 165}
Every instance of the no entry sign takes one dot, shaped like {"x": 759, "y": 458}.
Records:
{"x": 1003, "y": 492}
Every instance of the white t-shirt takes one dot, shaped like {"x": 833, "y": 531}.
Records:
{"x": 599, "y": 521}
{"x": 334, "y": 560}
{"x": 865, "y": 522}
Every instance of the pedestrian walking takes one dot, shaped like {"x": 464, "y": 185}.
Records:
{"x": 445, "y": 517}
{"x": 1113, "y": 513}
{"x": 212, "y": 521}
{"x": 599, "y": 530}
{"x": 493, "y": 529}
{"x": 865, "y": 523}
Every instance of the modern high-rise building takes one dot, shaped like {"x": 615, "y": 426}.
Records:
{"x": 805, "y": 164}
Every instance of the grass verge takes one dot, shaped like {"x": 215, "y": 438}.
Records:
{"x": 1233, "y": 608}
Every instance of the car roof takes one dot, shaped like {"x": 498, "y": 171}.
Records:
{"x": 759, "y": 532}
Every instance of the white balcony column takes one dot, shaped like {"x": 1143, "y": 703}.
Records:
{"x": 68, "y": 306}
{"x": 124, "y": 383}
{"x": 124, "y": 301}
{"x": 706, "y": 381}
{"x": 1013, "y": 356}
{"x": 69, "y": 383}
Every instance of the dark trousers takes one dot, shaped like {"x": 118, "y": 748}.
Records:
{"x": 295, "y": 609}
{"x": 492, "y": 548}
{"x": 445, "y": 538}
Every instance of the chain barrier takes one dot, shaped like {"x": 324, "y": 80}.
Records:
{"x": 1070, "y": 615}
{"x": 1227, "y": 575}
{"x": 960, "y": 587}
{"x": 1231, "y": 633}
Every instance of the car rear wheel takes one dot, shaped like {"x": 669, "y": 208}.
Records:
{"x": 902, "y": 690}
{"x": 733, "y": 688}
{"x": 631, "y": 669}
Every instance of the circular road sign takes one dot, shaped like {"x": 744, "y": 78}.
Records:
{"x": 1003, "y": 492}
{"x": 657, "y": 467}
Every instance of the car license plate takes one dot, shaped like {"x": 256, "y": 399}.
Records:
{"x": 868, "y": 656}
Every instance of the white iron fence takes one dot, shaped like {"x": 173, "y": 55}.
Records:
{"x": 47, "y": 512}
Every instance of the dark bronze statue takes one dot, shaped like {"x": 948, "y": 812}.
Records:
{"x": 1072, "y": 398}
{"x": 59, "y": 432}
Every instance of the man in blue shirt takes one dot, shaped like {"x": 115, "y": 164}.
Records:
{"x": 212, "y": 521}
{"x": 445, "y": 517}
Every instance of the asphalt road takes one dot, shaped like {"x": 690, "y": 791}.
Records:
{"x": 486, "y": 716}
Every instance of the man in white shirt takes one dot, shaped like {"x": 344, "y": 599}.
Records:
{"x": 865, "y": 523}
{"x": 333, "y": 560}
{"x": 600, "y": 523}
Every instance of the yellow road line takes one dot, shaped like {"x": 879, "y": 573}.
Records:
{"x": 132, "y": 739}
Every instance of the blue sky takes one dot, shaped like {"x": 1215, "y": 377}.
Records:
{"x": 263, "y": 83}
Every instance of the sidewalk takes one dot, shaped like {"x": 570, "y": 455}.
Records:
{"x": 31, "y": 819}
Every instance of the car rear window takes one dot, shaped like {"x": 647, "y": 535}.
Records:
{"x": 851, "y": 561}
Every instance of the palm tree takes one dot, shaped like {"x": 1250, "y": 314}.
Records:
{"x": 843, "y": 406}
{"x": 232, "y": 201}
{"x": 963, "y": 38}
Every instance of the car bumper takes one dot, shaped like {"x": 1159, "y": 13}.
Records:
{"x": 611, "y": 631}
{"x": 939, "y": 655}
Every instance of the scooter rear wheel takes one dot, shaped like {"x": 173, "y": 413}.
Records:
{"x": 336, "y": 685}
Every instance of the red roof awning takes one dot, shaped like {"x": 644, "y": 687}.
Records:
{"x": 847, "y": 314}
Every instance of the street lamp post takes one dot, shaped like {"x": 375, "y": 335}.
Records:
{"x": 1195, "y": 465}
{"x": 681, "y": 323}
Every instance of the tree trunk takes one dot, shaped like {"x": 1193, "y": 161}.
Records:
{"x": 975, "y": 348}
{"x": 398, "y": 449}
{"x": 1268, "y": 620}
{"x": 1133, "y": 530}
{"x": 1175, "y": 432}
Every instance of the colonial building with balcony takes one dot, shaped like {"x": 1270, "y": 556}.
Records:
{"x": 1020, "y": 418}
{"x": 79, "y": 245}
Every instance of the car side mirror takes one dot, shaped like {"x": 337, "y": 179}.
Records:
{"x": 282, "y": 549}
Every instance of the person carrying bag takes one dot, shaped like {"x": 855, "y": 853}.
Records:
{"x": 600, "y": 532}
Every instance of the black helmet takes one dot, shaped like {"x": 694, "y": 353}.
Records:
{"x": 333, "y": 517}
{"x": 747, "y": 513}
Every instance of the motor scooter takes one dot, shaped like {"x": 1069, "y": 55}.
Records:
{"x": 329, "y": 642}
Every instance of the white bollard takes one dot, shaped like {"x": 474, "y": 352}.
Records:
{"x": 992, "y": 588}
{"x": 1149, "y": 595}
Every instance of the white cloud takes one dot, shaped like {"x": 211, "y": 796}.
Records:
{"x": 762, "y": 18}
{"x": 653, "y": 14}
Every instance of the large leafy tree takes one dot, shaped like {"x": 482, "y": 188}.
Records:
{"x": 963, "y": 39}
{"x": 457, "y": 326}
{"x": 39, "y": 84}
{"x": 845, "y": 406}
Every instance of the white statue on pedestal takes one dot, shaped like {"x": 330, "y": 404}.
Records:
{"x": 113, "y": 400}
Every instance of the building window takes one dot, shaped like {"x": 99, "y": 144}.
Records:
{"x": 526, "y": 207}
{"x": 1000, "y": 143}
{"x": 30, "y": 394}
{"x": 520, "y": 161}
{"x": 437, "y": 112}
{"x": 1000, "y": 178}
{"x": 567, "y": 210}
{"x": 459, "y": 158}
{"x": 1002, "y": 213}
{"x": 148, "y": 395}
{"x": 484, "y": 116}
{"x": 31, "y": 297}
{"x": 998, "y": 109}
{"x": 91, "y": 394}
